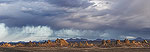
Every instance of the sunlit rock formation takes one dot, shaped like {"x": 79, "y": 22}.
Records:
{"x": 126, "y": 41}
{"x": 7, "y": 45}
{"x": 81, "y": 44}
{"x": 108, "y": 41}
{"x": 145, "y": 41}
{"x": 61, "y": 43}
{"x": 133, "y": 42}
{"x": 75, "y": 44}
{"x": 104, "y": 42}
{"x": 88, "y": 44}
{"x": 31, "y": 44}
{"x": 118, "y": 42}
{"x": 20, "y": 45}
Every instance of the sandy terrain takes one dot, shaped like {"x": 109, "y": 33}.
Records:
{"x": 43, "y": 49}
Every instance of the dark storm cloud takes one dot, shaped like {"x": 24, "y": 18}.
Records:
{"x": 103, "y": 18}
{"x": 70, "y": 3}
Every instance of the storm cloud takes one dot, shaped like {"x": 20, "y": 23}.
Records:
{"x": 102, "y": 18}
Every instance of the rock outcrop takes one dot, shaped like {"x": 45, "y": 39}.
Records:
{"x": 88, "y": 45}
{"x": 81, "y": 45}
{"x": 104, "y": 42}
{"x": 118, "y": 42}
{"x": 108, "y": 41}
{"x": 6, "y": 45}
{"x": 31, "y": 44}
{"x": 126, "y": 41}
{"x": 145, "y": 41}
{"x": 61, "y": 42}
{"x": 20, "y": 45}
{"x": 75, "y": 44}
{"x": 133, "y": 42}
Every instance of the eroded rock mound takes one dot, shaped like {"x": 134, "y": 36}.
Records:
{"x": 20, "y": 45}
{"x": 61, "y": 43}
{"x": 6, "y": 45}
{"x": 126, "y": 41}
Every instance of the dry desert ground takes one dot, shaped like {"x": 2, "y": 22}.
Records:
{"x": 44, "y": 49}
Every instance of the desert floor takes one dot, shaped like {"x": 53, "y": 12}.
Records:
{"x": 44, "y": 49}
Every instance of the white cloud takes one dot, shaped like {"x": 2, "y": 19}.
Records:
{"x": 128, "y": 37}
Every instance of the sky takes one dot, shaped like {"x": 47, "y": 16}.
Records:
{"x": 24, "y": 20}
